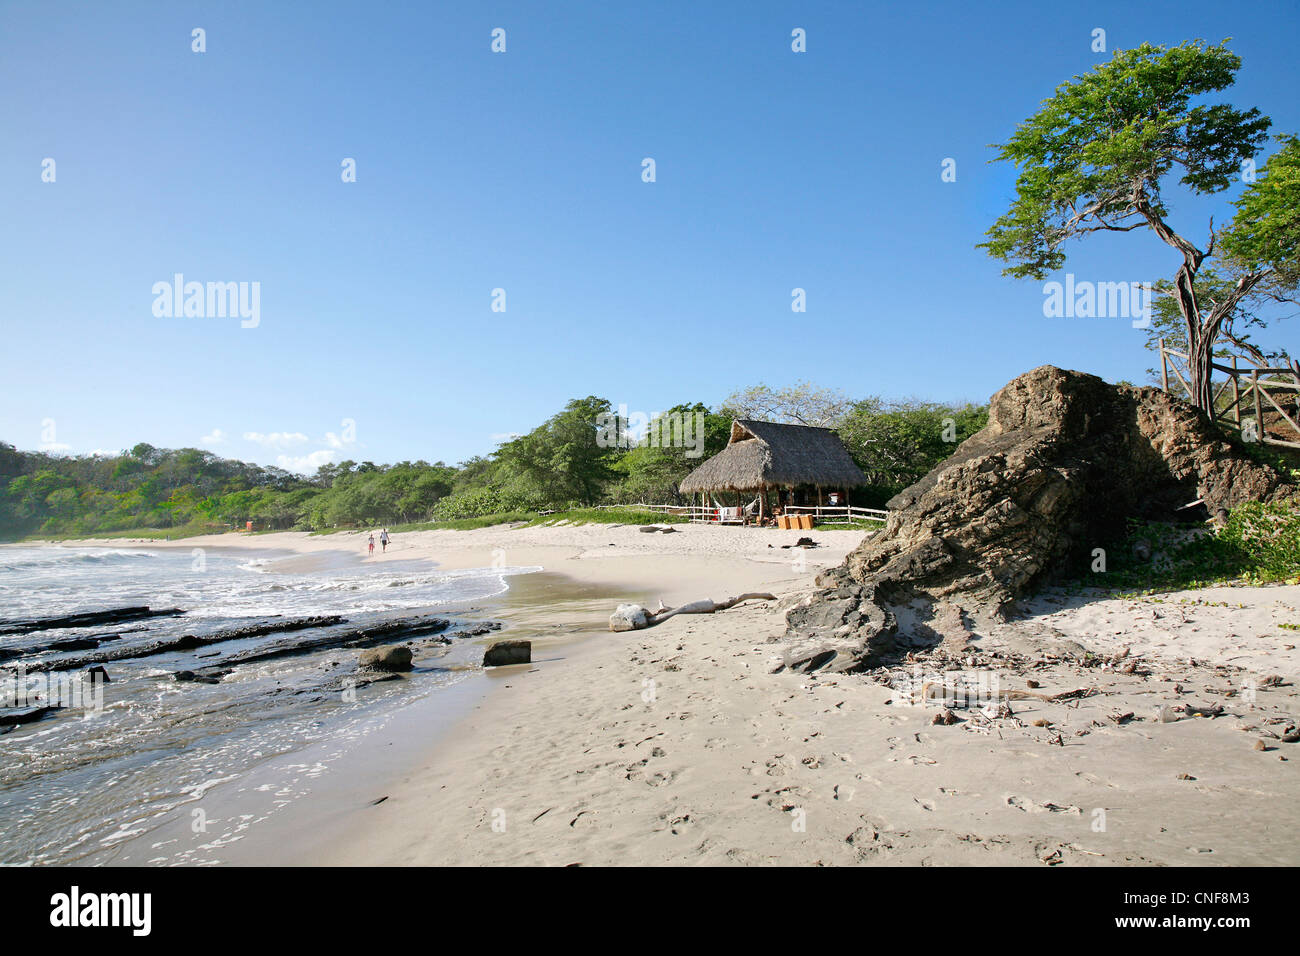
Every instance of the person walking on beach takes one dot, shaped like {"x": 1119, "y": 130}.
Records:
{"x": 383, "y": 539}
{"x": 372, "y": 544}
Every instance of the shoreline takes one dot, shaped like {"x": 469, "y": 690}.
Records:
{"x": 563, "y": 608}
{"x": 677, "y": 745}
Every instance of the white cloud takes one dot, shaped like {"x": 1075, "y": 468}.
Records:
{"x": 54, "y": 447}
{"x": 506, "y": 436}
{"x": 276, "y": 439}
{"x": 104, "y": 453}
{"x": 217, "y": 437}
{"x": 306, "y": 464}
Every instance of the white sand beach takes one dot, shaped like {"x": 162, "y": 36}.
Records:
{"x": 678, "y": 745}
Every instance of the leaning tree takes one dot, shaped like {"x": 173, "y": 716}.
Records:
{"x": 1097, "y": 154}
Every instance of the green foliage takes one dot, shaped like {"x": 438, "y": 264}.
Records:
{"x": 1265, "y": 232}
{"x": 897, "y": 444}
{"x": 652, "y": 473}
{"x": 1092, "y": 159}
{"x": 560, "y": 460}
{"x": 1259, "y": 544}
{"x": 478, "y": 503}
{"x": 1268, "y": 538}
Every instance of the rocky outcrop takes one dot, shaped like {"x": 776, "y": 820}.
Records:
{"x": 390, "y": 659}
{"x": 185, "y": 642}
{"x": 503, "y": 653}
{"x": 115, "y": 615}
{"x": 1065, "y": 460}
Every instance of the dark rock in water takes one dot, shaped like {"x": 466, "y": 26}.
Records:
{"x": 374, "y": 634}
{"x": 478, "y": 630}
{"x": 85, "y": 619}
{"x": 188, "y": 642}
{"x": 103, "y": 674}
{"x": 1064, "y": 462}
{"x": 188, "y": 677}
{"x": 11, "y": 717}
{"x": 503, "y": 653}
{"x": 391, "y": 659}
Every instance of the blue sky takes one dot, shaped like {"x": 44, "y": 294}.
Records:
{"x": 522, "y": 171}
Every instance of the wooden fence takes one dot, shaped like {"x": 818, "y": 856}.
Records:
{"x": 1251, "y": 386}
{"x": 824, "y": 514}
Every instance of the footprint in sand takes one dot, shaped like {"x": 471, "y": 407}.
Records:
{"x": 676, "y": 823}
{"x": 778, "y": 766}
{"x": 788, "y": 798}
{"x": 1029, "y": 806}
{"x": 923, "y": 804}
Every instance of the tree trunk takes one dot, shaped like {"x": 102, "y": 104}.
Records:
{"x": 1200, "y": 355}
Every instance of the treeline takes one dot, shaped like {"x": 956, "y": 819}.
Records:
{"x": 573, "y": 459}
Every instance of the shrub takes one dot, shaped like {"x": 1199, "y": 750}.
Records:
{"x": 478, "y": 503}
{"x": 1259, "y": 544}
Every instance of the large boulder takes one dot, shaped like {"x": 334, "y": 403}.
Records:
{"x": 1065, "y": 460}
{"x": 503, "y": 653}
{"x": 393, "y": 659}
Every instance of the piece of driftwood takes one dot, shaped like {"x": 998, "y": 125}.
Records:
{"x": 633, "y": 617}
{"x": 941, "y": 689}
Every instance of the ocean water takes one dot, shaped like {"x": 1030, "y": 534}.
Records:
{"x": 79, "y": 785}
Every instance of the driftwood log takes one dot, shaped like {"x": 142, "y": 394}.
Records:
{"x": 633, "y": 617}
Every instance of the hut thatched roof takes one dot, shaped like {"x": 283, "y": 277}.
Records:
{"x": 765, "y": 454}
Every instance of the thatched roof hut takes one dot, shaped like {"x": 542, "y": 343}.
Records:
{"x": 763, "y": 455}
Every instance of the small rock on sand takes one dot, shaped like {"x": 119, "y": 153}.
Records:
{"x": 503, "y": 653}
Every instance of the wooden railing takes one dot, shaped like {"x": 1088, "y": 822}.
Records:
{"x": 839, "y": 514}
{"x": 1251, "y": 386}
{"x": 824, "y": 514}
